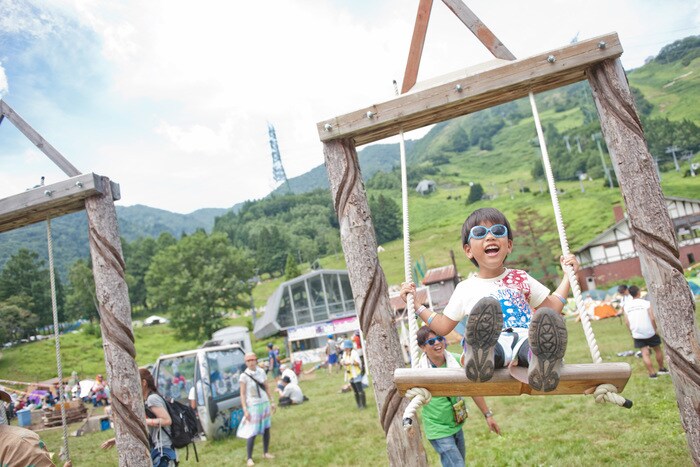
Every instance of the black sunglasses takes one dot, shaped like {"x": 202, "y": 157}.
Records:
{"x": 431, "y": 342}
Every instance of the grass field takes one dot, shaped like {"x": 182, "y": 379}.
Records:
{"x": 329, "y": 430}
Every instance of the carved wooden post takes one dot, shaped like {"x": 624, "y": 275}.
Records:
{"x": 654, "y": 239}
{"x": 115, "y": 321}
{"x": 371, "y": 299}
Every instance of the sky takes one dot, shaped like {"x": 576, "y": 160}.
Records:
{"x": 171, "y": 98}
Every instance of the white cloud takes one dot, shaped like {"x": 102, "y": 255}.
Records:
{"x": 4, "y": 87}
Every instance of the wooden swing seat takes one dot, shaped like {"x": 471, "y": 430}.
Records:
{"x": 575, "y": 378}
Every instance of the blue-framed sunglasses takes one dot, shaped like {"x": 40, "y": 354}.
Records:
{"x": 479, "y": 231}
{"x": 431, "y": 342}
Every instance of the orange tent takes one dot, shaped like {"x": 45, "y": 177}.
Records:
{"x": 604, "y": 310}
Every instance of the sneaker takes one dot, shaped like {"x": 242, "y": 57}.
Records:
{"x": 267, "y": 455}
{"x": 547, "y": 337}
{"x": 250, "y": 463}
{"x": 653, "y": 375}
{"x": 483, "y": 328}
{"x": 663, "y": 371}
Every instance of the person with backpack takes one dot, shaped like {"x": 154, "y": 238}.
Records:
{"x": 257, "y": 406}
{"x": 157, "y": 419}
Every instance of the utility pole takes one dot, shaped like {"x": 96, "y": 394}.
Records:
{"x": 596, "y": 138}
{"x": 278, "y": 172}
{"x": 578, "y": 144}
{"x": 581, "y": 177}
{"x": 568, "y": 146}
{"x": 672, "y": 150}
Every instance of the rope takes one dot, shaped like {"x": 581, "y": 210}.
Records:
{"x": 419, "y": 397}
{"x": 608, "y": 392}
{"x": 410, "y": 307}
{"x": 65, "y": 454}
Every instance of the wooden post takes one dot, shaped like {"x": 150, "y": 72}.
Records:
{"x": 371, "y": 299}
{"x": 115, "y": 321}
{"x": 654, "y": 239}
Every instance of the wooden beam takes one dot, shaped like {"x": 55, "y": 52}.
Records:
{"x": 53, "y": 200}
{"x": 471, "y": 93}
{"x": 417, "y": 41}
{"x": 31, "y": 134}
{"x": 480, "y": 30}
{"x": 574, "y": 379}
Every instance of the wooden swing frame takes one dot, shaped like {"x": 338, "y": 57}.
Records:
{"x": 595, "y": 60}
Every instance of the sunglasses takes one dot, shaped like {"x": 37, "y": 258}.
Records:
{"x": 431, "y": 342}
{"x": 479, "y": 231}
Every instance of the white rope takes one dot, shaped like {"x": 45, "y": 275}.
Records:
{"x": 65, "y": 454}
{"x": 587, "y": 329}
{"x": 604, "y": 392}
{"x": 410, "y": 307}
{"x": 608, "y": 393}
{"x": 419, "y": 396}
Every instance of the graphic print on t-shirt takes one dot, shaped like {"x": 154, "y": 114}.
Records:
{"x": 513, "y": 291}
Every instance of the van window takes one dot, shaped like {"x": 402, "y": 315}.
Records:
{"x": 175, "y": 377}
{"x": 225, "y": 368}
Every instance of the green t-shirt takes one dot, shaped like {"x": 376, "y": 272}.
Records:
{"x": 438, "y": 418}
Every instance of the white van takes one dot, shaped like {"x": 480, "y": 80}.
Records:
{"x": 213, "y": 372}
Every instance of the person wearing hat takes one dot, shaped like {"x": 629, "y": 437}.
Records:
{"x": 350, "y": 360}
{"x": 289, "y": 373}
{"x": 20, "y": 446}
{"x": 291, "y": 393}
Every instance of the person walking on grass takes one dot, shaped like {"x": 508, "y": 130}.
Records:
{"x": 501, "y": 328}
{"x": 640, "y": 320}
{"x": 443, "y": 417}
{"x": 257, "y": 405}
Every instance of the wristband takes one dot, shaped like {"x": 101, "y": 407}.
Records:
{"x": 420, "y": 310}
{"x": 432, "y": 316}
{"x": 561, "y": 299}
{"x": 488, "y": 414}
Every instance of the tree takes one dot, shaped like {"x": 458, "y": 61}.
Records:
{"x": 198, "y": 280}
{"x": 25, "y": 274}
{"x": 476, "y": 192}
{"x": 536, "y": 239}
{"x": 386, "y": 217}
{"x": 81, "y": 301}
{"x": 291, "y": 269}
{"x": 18, "y": 322}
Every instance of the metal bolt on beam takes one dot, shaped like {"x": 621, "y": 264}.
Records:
{"x": 328, "y": 127}
{"x": 79, "y": 184}
{"x": 551, "y": 59}
{"x": 602, "y": 44}
{"x": 48, "y": 192}
{"x": 458, "y": 88}
{"x": 370, "y": 114}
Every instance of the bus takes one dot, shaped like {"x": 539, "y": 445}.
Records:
{"x": 212, "y": 373}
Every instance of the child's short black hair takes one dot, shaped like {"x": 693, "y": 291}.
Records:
{"x": 634, "y": 291}
{"x": 422, "y": 335}
{"x": 621, "y": 288}
{"x": 480, "y": 216}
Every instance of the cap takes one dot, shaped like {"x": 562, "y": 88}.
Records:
{"x": 330, "y": 336}
{"x": 286, "y": 379}
{"x": 283, "y": 366}
{"x": 269, "y": 344}
{"x": 5, "y": 396}
{"x": 347, "y": 344}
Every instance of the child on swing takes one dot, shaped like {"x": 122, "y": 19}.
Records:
{"x": 502, "y": 329}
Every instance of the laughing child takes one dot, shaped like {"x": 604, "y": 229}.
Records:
{"x": 502, "y": 329}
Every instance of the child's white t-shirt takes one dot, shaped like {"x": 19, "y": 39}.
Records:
{"x": 637, "y": 311}
{"x": 517, "y": 291}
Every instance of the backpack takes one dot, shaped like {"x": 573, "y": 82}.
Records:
{"x": 184, "y": 427}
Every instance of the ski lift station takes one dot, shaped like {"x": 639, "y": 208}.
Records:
{"x": 308, "y": 309}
